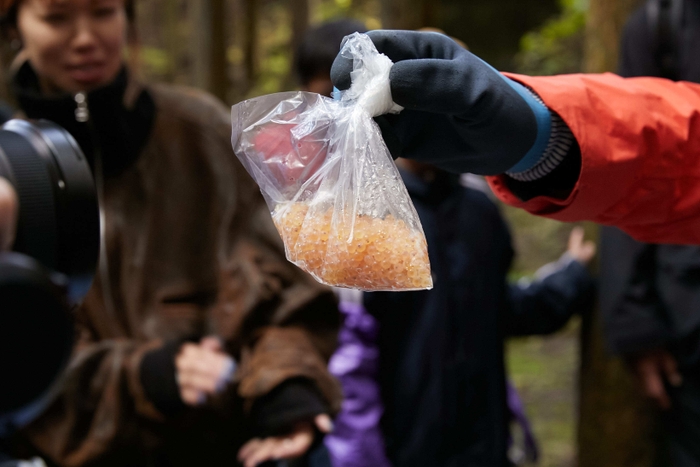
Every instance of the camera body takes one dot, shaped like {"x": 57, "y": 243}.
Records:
{"x": 51, "y": 265}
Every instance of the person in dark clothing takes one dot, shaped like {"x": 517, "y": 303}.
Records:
{"x": 441, "y": 355}
{"x": 650, "y": 294}
{"x": 8, "y": 219}
{"x": 6, "y": 112}
{"x": 650, "y": 301}
{"x": 314, "y": 56}
{"x": 661, "y": 38}
{"x": 198, "y": 342}
{"x": 441, "y": 374}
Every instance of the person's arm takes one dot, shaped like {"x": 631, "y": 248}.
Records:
{"x": 122, "y": 391}
{"x": 632, "y": 162}
{"x": 287, "y": 338}
{"x": 280, "y": 323}
{"x": 634, "y": 316}
{"x": 291, "y": 331}
{"x": 560, "y": 290}
{"x": 634, "y": 319}
{"x": 102, "y": 404}
{"x": 125, "y": 385}
{"x": 117, "y": 393}
{"x": 639, "y": 142}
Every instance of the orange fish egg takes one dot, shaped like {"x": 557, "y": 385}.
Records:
{"x": 363, "y": 252}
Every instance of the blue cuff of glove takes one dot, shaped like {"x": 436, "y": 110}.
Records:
{"x": 544, "y": 128}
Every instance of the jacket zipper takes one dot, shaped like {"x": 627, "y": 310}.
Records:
{"x": 82, "y": 115}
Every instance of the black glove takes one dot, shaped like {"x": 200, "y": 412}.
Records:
{"x": 158, "y": 378}
{"x": 292, "y": 401}
{"x": 460, "y": 113}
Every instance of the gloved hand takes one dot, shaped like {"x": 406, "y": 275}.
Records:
{"x": 460, "y": 113}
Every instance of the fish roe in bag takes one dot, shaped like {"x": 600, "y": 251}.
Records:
{"x": 335, "y": 194}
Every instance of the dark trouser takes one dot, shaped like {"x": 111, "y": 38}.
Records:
{"x": 680, "y": 436}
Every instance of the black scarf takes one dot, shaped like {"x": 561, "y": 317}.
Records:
{"x": 118, "y": 133}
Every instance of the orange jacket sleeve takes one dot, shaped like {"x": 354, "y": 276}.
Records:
{"x": 640, "y": 154}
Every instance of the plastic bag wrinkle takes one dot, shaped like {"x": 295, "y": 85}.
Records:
{"x": 333, "y": 190}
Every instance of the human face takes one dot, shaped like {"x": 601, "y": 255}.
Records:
{"x": 73, "y": 45}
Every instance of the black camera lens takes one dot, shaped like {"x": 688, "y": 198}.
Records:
{"x": 53, "y": 259}
{"x": 58, "y": 221}
{"x": 36, "y": 330}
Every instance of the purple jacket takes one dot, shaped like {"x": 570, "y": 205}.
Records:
{"x": 357, "y": 439}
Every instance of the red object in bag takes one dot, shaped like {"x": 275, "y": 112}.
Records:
{"x": 290, "y": 156}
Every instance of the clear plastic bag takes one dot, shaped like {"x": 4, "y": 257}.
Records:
{"x": 334, "y": 191}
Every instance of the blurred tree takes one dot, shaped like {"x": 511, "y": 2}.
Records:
{"x": 174, "y": 40}
{"x": 558, "y": 46}
{"x": 368, "y": 11}
{"x": 409, "y": 14}
{"x": 247, "y": 49}
{"x": 218, "y": 75}
{"x": 553, "y": 46}
{"x": 165, "y": 30}
{"x": 250, "y": 41}
{"x": 208, "y": 54}
{"x": 300, "y": 24}
{"x": 493, "y": 29}
{"x": 300, "y": 21}
{"x": 201, "y": 44}
{"x": 616, "y": 427}
{"x": 606, "y": 20}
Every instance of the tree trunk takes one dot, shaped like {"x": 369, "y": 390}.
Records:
{"x": 299, "y": 12}
{"x": 250, "y": 42}
{"x": 603, "y": 33}
{"x": 172, "y": 39}
{"x": 201, "y": 44}
{"x": 209, "y": 42}
{"x": 300, "y": 21}
{"x": 218, "y": 77}
{"x": 409, "y": 14}
{"x": 430, "y": 13}
{"x": 616, "y": 425}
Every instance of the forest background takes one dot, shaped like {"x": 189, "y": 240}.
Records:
{"x": 583, "y": 405}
